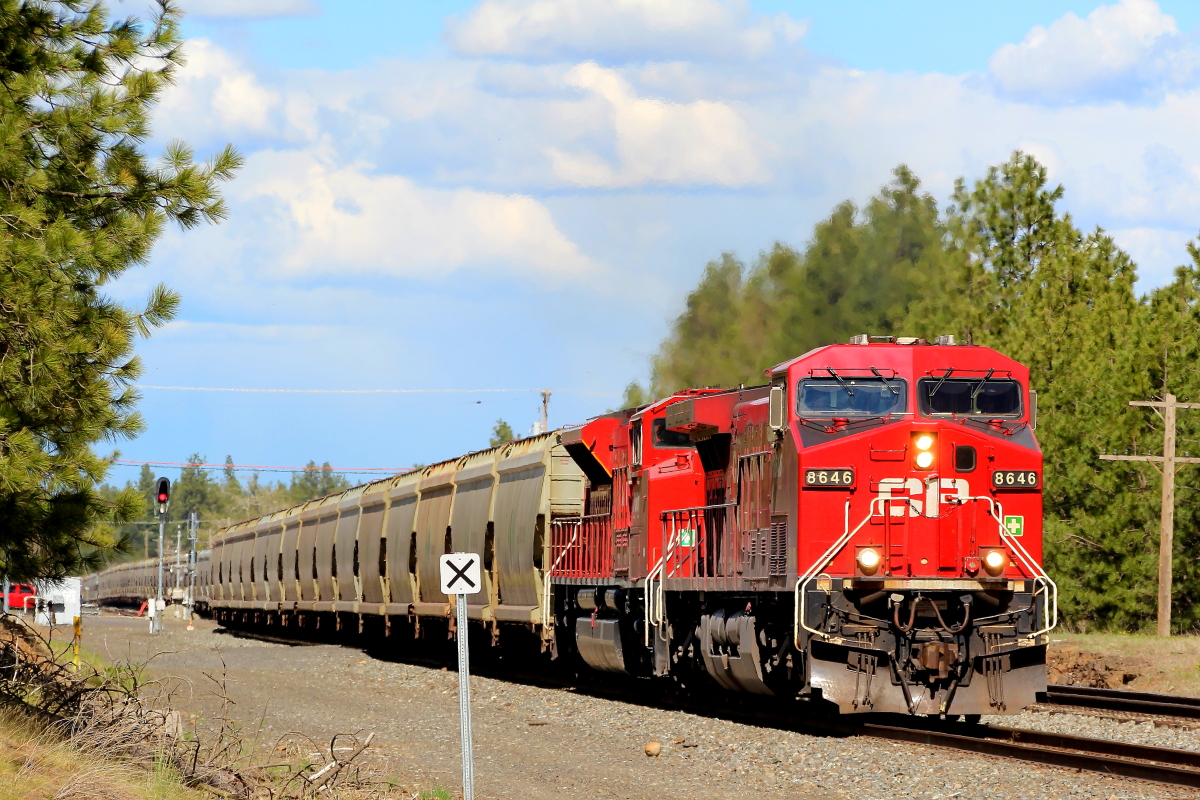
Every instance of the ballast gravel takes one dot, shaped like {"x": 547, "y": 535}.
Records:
{"x": 535, "y": 743}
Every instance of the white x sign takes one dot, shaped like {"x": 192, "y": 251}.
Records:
{"x": 460, "y": 573}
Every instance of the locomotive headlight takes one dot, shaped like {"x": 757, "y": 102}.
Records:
{"x": 925, "y": 445}
{"x": 868, "y": 560}
{"x": 994, "y": 561}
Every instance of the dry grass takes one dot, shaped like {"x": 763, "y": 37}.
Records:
{"x": 1169, "y": 665}
{"x": 36, "y": 762}
{"x": 108, "y": 731}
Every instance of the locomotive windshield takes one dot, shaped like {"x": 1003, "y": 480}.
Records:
{"x": 670, "y": 440}
{"x": 969, "y": 397}
{"x": 851, "y": 397}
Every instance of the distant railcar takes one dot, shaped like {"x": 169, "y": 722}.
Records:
{"x": 863, "y": 530}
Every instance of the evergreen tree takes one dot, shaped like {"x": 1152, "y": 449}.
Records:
{"x": 195, "y": 490}
{"x": 502, "y": 433}
{"x": 81, "y": 204}
{"x": 1063, "y": 303}
{"x": 862, "y": 272}
{"x": 316, "y": 482}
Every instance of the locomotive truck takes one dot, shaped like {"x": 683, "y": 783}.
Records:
{"x": 863, "y": 530}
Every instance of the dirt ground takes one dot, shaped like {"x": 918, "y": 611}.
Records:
{"x": 536, "y": 744}
{"x": 1122, "y": 661}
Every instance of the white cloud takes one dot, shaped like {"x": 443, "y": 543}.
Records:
{"x": 250, "y": 9}
{"x": 702, "y": 142}
{"x": 341, "y": 220}
{"x": 621, "y": 29}
{"x": 1157, "y": 251}
{"x": 215, "y": 96}
{"x": 1118, "y": 51}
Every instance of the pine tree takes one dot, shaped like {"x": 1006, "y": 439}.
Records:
{"x": 80, "y": 204}
{"x": 864, "y": 271}
{"x": 502, "y": 433}
{"x": 1062, "y": 302}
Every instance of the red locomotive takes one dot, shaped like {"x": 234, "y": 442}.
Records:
{"x": 865, "y": 529}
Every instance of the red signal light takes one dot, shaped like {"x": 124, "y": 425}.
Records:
{"x": 163, "y": 494}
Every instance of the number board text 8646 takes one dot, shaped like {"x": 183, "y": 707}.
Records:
{"x": 842, "y": 478}
{"x": 1016, "y": 479}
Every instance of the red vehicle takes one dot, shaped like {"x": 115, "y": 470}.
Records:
{"x": 864, "y": 530}
{"x": 17, "y": 592}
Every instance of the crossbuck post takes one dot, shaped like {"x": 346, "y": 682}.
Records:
{"x": 1170, "y": 464}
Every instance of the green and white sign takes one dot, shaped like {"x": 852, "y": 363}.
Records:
{"x": 687, "y": 537}
{"x": 1014, "y": 526}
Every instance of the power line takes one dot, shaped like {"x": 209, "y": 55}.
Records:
{"x": 261, "y": 468}
{"x": 368, "y": 391}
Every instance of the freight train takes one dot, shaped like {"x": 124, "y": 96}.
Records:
{"x": 863, "y": 530}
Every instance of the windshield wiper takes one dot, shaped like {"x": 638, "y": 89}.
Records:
{"x": 938, "y": 385}
{"x": 891, "y": 388}
{"x": 979, "y": 388}
{"x": 849, "y": 391}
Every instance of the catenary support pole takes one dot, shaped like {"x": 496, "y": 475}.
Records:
{"x": 6, "y": 591}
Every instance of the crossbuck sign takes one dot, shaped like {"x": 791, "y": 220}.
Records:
{"x": 460, "y": 573}
{"x": 460, "y": 577}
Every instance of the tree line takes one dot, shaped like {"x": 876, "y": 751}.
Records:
{"x": 1002, "y": 265}
{"x": 219, "y": 499}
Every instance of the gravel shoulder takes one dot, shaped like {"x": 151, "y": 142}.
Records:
{"x": 535, "y": 743}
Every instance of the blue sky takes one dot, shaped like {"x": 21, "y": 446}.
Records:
{"x": 518, "y": 194}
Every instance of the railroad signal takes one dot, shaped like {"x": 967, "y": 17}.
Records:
{"x": 162, "y": 495}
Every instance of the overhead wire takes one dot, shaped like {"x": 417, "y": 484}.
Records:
{"x": 261, "y": 468}
{"x": 365, "y": 391}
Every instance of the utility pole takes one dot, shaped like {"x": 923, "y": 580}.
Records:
{"x": 1170, "y": 464}
{"x": 545, "y": 410}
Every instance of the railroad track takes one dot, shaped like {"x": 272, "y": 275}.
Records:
{"x": 1115, "y": 758}
{"x": 1119, "y": 700}
{"x": 1123, "y": 759}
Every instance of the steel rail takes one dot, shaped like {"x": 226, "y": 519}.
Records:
{"x": 1104, "y": 756}
{"x": 1120, "y": 700}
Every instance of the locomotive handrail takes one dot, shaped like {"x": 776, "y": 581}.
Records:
{"x": 691, "y": 510}
{"x": 655, "y": 599}
{"x": 996, "y": 512}
{"x": 577, "y": 521}
{"x": 800, "y": 601}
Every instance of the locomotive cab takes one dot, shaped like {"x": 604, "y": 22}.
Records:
{"x": 920, "y": 510}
